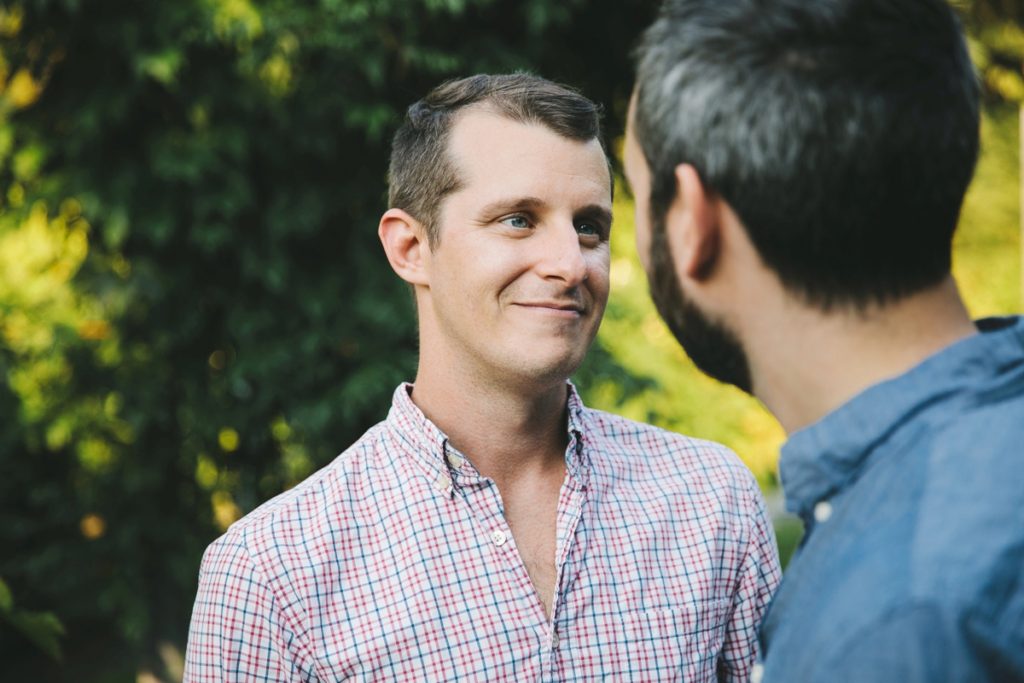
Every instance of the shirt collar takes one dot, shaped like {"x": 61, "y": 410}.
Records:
{"x": 824, "y": 458}
{"x": 577, "y": 458}
{"x": 428, "y": 446}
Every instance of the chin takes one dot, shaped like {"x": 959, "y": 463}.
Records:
{"x": 546, "y": 371}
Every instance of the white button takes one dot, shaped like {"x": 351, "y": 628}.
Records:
{"x": 822, "y": 511}
{"x": 499, "y": 537}
{"x": 454, "y": 460}
{"x": 554, "y": 641}
{"x": 443, "y": 483}
{"x": 756, "y": 673}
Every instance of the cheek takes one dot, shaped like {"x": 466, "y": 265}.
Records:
{"x": 599, "y": 275}
{"x": 480, "y": 266}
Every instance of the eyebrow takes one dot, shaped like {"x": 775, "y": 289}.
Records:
{"x": 512, "y": 204}
{"x": 596, "y": 212}
{"x": 592, "y": 211}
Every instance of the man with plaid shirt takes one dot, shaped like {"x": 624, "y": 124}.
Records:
{"x": 492, "y": 527}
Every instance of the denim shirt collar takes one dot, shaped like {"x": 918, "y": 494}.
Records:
{"x": 820, "y": 460}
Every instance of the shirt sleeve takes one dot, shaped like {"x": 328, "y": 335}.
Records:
{"x": 759, "y": 576}
{"x": 924, "y": 643}
{"x": 238, "y": 631}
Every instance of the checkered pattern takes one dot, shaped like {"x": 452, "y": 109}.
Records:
{"x": 395, "y": 563}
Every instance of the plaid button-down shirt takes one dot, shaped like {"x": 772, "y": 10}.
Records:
{"x": 395, "y": 563}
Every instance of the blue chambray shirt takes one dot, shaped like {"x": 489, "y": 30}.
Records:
{"x": 912, "y": 493}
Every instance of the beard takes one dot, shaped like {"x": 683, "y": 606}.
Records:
{"x": 712, "y": 347}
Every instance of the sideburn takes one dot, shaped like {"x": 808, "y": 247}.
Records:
{"x": 712, "y": 347}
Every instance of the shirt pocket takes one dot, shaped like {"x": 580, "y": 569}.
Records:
{"x": 678, "y": 643}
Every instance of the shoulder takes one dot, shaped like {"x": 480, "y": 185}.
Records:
{"x": 981, "y": 442}
{"x": 673, "y": 474}
{"x": 645, "y": 450}
{"x": 300, "y": 522}
{"x": 967, "y": 512}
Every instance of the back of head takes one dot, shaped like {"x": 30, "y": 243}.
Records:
{"x": 422, "y": 172}
{"x": 842, "y": 132}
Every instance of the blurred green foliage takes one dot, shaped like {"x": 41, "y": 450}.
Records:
{"x": 194, "y": 310}
{"x": 42, "y": 628}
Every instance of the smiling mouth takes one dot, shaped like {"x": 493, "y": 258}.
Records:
{"x": 568, "y": 309}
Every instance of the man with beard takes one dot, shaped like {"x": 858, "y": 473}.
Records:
{"x": 492, "y": 527}
{"x": 799, "y": 169}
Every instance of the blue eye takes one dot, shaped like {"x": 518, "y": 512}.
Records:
{"x": 516, "y": 221}
{"x": 588, "y": 229}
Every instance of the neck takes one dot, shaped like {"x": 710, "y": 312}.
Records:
{"x": 507, "y": 432}
{"x": 806, "y": 363}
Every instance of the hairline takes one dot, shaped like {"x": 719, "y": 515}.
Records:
{"x": 487, "y": 106}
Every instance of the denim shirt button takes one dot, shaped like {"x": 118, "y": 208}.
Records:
{"x": 822, "y": 511}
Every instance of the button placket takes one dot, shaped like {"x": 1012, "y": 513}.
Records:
{"x": 570, "y": 513}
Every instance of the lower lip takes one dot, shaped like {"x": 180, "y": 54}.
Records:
{"x": 567, "y": 313}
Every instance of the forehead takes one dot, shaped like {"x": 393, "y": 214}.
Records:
{"x": 494, "y": 154}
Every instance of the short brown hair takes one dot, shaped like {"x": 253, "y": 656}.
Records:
{"x": 422, "y": 173}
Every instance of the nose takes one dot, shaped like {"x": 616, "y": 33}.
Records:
{"x": 562, "y": 257}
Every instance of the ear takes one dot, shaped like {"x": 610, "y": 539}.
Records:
{"x": 405, "y": 243}
{"x": 694, "y": 225}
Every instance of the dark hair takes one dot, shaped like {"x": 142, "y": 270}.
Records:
{"x": 843, "y": 133}
{"x": 422, "y": 172}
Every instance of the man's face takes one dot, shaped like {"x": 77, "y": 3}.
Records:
{"x": 519, "y": 278}
{"x": 712, "y": 347}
